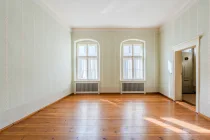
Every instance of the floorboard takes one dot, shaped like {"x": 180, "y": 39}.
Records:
{"x": 112, "y": 117}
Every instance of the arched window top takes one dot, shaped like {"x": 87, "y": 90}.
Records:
{"x": 133, "y": 41}
{"x": 86, "y": 41}
{"x": 132, "y": 52}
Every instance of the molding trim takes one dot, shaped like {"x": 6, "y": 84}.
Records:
{"x": 113, "y": 29}
{"x": 109, "y": 93}
{"x": 187, "y": 44}
{"x": 52, "y": 13}
{"x": 166, "y": 97}
{"x": 204, "y": 116}
{"x": 26, "y": 117}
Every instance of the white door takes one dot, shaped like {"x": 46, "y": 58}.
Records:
{"x": 187, "y": 72}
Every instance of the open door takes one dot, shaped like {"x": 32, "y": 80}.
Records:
{"x": 187, "y": 71}
{"x": 189, "y": 77}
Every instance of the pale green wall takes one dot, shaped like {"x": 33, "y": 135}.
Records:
{"x": 191, "y": 23}
{"x": 110, "y": 40}
{"x": 35, "y": 61}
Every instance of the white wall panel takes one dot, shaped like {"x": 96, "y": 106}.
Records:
{"x": 14, "y": 52}
{"x": 193, "y": 21}
{"x": 39, "y": 52}
{"x": 203, "y": 27}
{"x": 38, "y": 58}
{"x": 3, "y": 91}
{"x": 28, "y": 53}
{"x": 185, "y": 24}
{"x": 177, "y": 35}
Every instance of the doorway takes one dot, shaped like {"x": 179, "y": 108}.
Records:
{"x": 189, "y": 76}
{"x": 182, "y": 83}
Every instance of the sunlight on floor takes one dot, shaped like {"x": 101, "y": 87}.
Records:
{"x": 187, "y": 125}
{"x": 172, "y": 128}
{"x": 112, "y": 103}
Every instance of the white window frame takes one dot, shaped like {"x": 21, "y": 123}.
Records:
{"x": 86, "y": 41}
{"x": 132, "y": 42}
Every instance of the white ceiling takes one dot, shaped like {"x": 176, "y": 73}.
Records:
{"x": 115, "y": 13}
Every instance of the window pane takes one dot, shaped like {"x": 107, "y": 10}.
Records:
{"x": 82, "y": 68}
{"x": 138, "y": 50}
{"x": 92, "y": 69}
{"x": 82, "y": 50}
{"x": 127, "y": 50}
{"x": 92, "y": 50}
{"x": 127, "y": 68}
{"x": 138, "y": 68}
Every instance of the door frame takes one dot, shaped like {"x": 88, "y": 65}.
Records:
{"x": 177, "y": 68}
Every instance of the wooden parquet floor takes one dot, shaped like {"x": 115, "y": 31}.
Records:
{"x": 112, "y": 117}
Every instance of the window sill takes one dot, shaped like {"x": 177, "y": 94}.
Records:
{"x": 87, "y": 81}
{"x": 132, "y": 80}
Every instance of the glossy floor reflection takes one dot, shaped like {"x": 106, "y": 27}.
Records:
{"x": 112, "y": 117}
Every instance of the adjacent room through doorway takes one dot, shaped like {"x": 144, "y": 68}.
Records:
{"x": 189, "y": 76}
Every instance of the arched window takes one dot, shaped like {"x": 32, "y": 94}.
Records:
{"x": 87, "y": 60}
{"x": 133, "y": 60}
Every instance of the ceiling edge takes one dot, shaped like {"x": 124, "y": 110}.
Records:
{"x": 179, "y": 12}
{"x": 112, "y": 29}
{"x": 52, "y": 13}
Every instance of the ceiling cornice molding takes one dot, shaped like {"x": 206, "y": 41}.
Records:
{"x": 179, "y": 12}
{"x": 52, "y": 13}
{"x": 113, "y": 29}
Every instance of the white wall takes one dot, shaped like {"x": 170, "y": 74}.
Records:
{"x": 34, "y": 59}
{"x": 192, "y": 22}
{"x": 110, "y": 40}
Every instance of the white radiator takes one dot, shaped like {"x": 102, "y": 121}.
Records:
{"x": 133, "y": 87}
{"x": 86, "y": 87}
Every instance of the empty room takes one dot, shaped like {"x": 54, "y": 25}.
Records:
{"x": 104, "y": 70}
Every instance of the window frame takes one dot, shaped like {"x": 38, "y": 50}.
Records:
{"x": 132, "y": 42}
{"x": 76, "y": 58}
